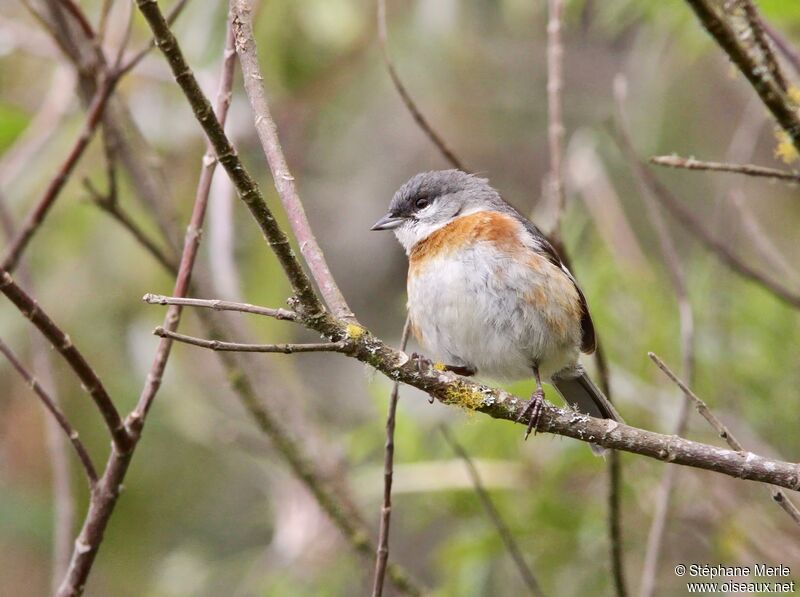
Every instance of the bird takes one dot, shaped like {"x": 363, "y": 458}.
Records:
{"x": 488, "y": 294}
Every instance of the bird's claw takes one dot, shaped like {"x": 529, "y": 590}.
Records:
{"x": 534, "y": 408}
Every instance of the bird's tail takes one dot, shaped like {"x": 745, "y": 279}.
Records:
{"x": 581, "y": 393}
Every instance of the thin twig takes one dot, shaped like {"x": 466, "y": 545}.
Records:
{"x": 757, "y": 27}
{"x": 103, "y": 502}
{"x": 777, "y": 495}
{"x": 677, "y": 277}
{"x": 555, "y": 117}
{"x": 674, "y": 161}
{"x": 494, "y": 515}
{"x": 134, "y": 60}
{"x": 126, "y": 221}
{"x": 50, "y": 405}
{"x": 281, "y": 176}
{"x": 382, "y": 555}
{"x": 698, "y": 228}
{"x": 412, "y": 107}
{"x": 218, "y": 305}
{"x": 74, "y": 358}
{"x": 245, "y": 184}
{"x": 56, "y": 184}
{"x": 241, "y": 347}
{"x": 757, "y": 74}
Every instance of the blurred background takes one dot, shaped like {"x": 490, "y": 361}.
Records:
{"x": 209, "y": 507}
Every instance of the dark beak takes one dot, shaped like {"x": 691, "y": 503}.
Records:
{"x": 388, "y": 222}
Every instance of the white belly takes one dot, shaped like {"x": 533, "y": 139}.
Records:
{"x": 469, "y": 310}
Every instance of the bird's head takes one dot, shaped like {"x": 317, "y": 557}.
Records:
{"x": 431, "y": 200}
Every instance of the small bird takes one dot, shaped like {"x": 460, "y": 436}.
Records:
{"x": 488, "y": 294}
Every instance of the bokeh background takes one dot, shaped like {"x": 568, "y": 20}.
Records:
{"x": 209, "y": 508}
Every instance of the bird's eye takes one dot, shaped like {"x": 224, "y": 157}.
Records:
{"x": 421, "y": 203}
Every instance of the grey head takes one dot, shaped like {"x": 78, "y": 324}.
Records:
{"x": 431, "y": 200}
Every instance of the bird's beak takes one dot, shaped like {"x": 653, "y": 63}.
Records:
{"x": 388, "y": 222}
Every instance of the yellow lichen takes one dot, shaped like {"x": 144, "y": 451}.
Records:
{"x": 785, "y": 150}
{"x": 794, "y": 94}
{"x": 463, "y": 396}
{"x": 355, "y": 331}
{"x": 439, "y": 366}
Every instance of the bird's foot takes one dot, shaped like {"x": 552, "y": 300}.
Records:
{"x": 534, "y": 409}
{"x": 424, "y": 365}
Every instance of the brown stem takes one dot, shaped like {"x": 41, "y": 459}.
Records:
{"x": 61, "y": 419}
{"x": 217, "y": 305}
{"x": 494, "y": 515}
{"x": 382, "y": 554}
{"x": 240, "y": 347}
{"x": 779, "y": 496}
{"x": 281, "y": 176}
{"x": 555, "y": 117}
{"x": 56, "y": 184}
{"x": 419, "y": 118}
{"x": 74, "y": 358}
{"x": 674, "y": 161}
{"x": 757, "y": 27}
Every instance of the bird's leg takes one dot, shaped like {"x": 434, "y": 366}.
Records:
{"x": 535, "y": 405}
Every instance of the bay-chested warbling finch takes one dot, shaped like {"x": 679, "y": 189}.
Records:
{"x": 487, "y": 292}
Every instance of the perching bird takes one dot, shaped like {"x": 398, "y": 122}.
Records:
{"x": 487, "y": 292}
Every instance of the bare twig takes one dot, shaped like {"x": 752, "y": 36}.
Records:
{"x": 103, "y": 502}
{"x": 113, "y": 209}
{"x": 422, "y": 122}
{"x": 674, "y": 161}
{"x": 74, "y": 358}
{"x": 555, "y": 117}
{"x": 382, "y": 555}
{"x": 491, "y": 510}
{"x": 281, "y": 176}
{"x": 698, "y": 228}
{"x": 779, "y": 496}
{"x": 37, "y": 215}
{"x": 281, "y": 314}
{"x": 245, "y": 184}
{"x": 757, "y": 74}
{"x": 134, "y": 60}
{"x": 61, "y": 419}
{"x": 240, "y": 347}
{"x": 677, "y": 276}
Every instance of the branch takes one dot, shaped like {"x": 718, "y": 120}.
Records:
{"x": 74, "y": 358}
{"x": 422, "y": 122}
{"x": 245, "y": 184}
{"x": 218, "y": 305}
{"x": 698, "y": 228}
{"x": 50, "y": 404}
{"x": 451, "y": 389}
{"x": 759, "y": 75}
{"x": 673, "y": 161}
{"x": 757, "y": 27}
{"x": 56, "y": 184}
{"x": 382, "y": 555}
{"x": 281, "y": 176}
{"x": 779, "y": 496}
{"x": 494, "y": 515}
{"x": 239, "y": 347}
{"x": 555, "y": 117}
{"x": 104, "y": 500}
